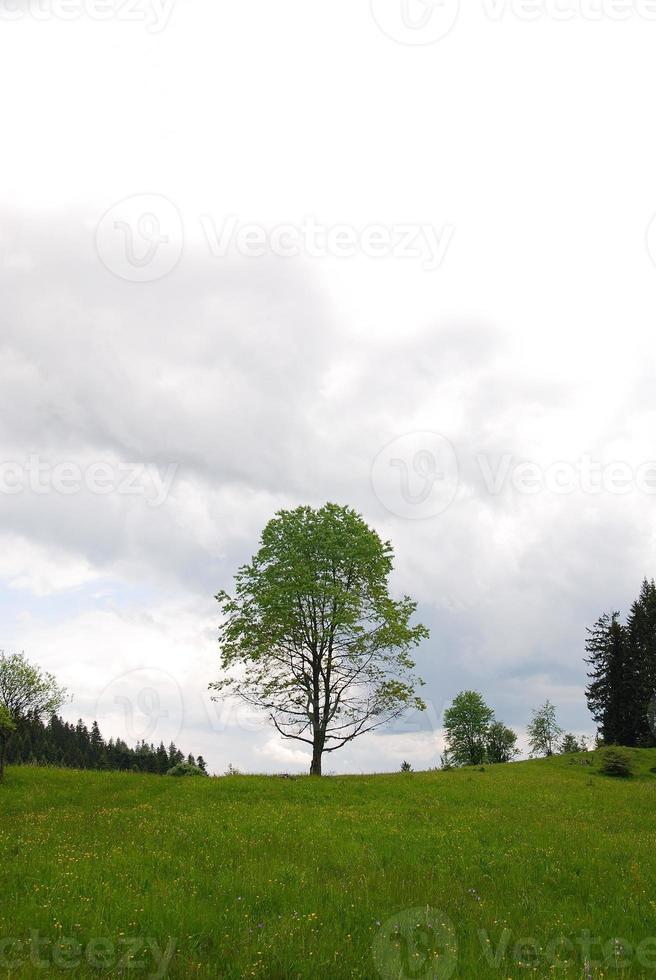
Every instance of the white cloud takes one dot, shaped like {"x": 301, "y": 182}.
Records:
{"x": 27, "y": 566}
{"x": 272, "y": 382}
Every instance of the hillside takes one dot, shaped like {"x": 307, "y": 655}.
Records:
{"x": 280, "y": 878}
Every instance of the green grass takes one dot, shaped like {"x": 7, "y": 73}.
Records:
{"x": 273, "y": 878}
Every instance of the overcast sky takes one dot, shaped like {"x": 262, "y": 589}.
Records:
{"x": 388, "y": 255}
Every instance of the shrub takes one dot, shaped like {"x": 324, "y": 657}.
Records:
{"x": 615, "y": 762}
{"x": 569, "y": 744}
{"x": 406, "y": 767}
{"x": 501, "y": 743}
{"x": 185, "y": 769}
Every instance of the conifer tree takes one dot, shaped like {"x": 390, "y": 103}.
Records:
{"x": 609, "y": 690}
{"x": 623, "y": 676}
{"x": 641, "y": 638}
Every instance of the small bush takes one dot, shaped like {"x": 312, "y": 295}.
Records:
{"x": 615, "y": 762}
{"x": 570, "y": 744}
{"x": 406, "y": 767}
{"x": 185, "y": 769}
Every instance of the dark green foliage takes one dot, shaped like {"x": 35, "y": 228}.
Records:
{"x": 570, "y": 743}
{"x": 623, "y": 673}
{"x": 406, "y": 767}
{"x": 473, "y": 735}
{"x": 500, "y": 743}
{"x": 611, "y": 681}
{"x": 26, "y": 692}
{"x": 60, "y": 743}
{"x": 466, "y": 725}
{"x": 7, "y": 727}
{"x": 615, "y": 762}
{"x": 641, "y": 642}
{"x": 185, "y": 769}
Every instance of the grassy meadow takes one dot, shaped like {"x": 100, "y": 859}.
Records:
{"x": 465, "y": 873}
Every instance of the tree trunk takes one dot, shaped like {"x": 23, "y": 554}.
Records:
{"x": 317, "y": 751}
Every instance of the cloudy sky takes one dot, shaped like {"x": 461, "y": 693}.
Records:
{"x": 387, "y": 254}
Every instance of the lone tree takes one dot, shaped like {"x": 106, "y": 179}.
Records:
{"x": 473, "y": 735}
{"x": 466, "y": 725}
{"x": 312, "y": 635}
{"x": 25, "y": 692}
{"x": 544, "y": 731}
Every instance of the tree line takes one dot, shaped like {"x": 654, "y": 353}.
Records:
{"x": 622, "y": 658}
{"x": 33, "y": 733}
{"x": 62, "y": 744}
{"x": 473, "y": 736}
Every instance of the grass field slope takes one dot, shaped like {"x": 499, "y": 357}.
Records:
{"x": 543, "y": 868}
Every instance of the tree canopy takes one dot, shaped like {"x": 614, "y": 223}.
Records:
{"x": 25, "y": 692}
{"x": 544, "y": 731}
{"x": 312, "y": 635}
